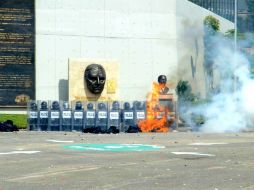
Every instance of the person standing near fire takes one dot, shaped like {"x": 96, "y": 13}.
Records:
{"x": 167, "y": 97}
{"x": 159, "y": 109}
{"x": 162, "y": 80}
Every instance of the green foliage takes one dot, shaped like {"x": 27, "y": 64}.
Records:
{"x": 184, "y": 91}
{"x": 20, "y": 120}
{"x": 187, "y": 101}
{"x": 212, "y": 23}
{"x": 231, "y": 32}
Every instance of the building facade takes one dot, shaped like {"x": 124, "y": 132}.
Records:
{"x": 147, "y": 37}
{"x": 226, "y": 9}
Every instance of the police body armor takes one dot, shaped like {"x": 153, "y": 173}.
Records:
{"x": 102, "y": 117}
{"x": 114, "y": 118}
{"x": 78, "y": 117}
{"x": 128, "y": 117}
{"x": 43, "y": 116}
{"x": 139, "y": 112}
{"x": 54, "y": 122}
{"x": 32, "y": 116}
{"x": 89, "y": 118}
{"x": 66, "y": 117}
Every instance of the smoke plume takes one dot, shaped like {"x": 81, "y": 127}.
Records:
{"x": 231, "y": 105}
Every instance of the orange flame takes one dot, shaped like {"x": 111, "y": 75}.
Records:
{"x": 156, "y": 120}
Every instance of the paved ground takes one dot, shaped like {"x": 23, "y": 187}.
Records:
{"x": 226, "y": 165}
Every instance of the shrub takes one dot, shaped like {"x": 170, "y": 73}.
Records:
{"x": 212, "y": 23}
{"x": 20, "y": 120}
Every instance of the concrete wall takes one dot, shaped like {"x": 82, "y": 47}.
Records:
{"x": 141, "y": 35}
{"x": 190, "y": 44}
{"x": 147, "y": 37}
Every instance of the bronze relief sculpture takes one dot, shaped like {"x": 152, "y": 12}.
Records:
{"x": 95, "y": 77}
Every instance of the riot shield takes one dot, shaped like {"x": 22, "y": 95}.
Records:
{"x": 66, "y": 118}
{"x": 43, "y": 116}
{"x": 102, "y": 117}
{"x": 139, "y": 108}
{"x": 127, "y": 117}
{"x": 78, "y": 116}
{"x": 114, "y": 117}
{"x": 32, "y": 114}
{"x": 54, "y": 116}
{"x": 89, "y": 126}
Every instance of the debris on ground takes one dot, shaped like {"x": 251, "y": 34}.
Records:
{"x": 7, "y": 126}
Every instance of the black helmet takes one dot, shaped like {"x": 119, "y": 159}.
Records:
{"x": 55, "y": 105}
{"x": 44, "y": 105}
{"x": 126, "y": 105}
{"x": 33, "y": 106}
{"x": 78, "y": 105}
{"x": 136, "y": 104}
{"x": 162, "y": 79}
{"x": 101, "y": 106}
{"x": 66, "y": 105}
{"x": 89, "y": 106}
{"x": 115, "y": 105}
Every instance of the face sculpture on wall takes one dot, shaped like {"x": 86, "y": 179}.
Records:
{"x": 95, "y": 77}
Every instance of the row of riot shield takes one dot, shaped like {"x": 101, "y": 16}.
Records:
{"x": 94, "y": 117}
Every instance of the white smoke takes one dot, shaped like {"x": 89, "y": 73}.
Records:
{"x": 231, "y": 109}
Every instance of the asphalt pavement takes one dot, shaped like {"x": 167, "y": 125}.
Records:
{"x": 176, "y": 160}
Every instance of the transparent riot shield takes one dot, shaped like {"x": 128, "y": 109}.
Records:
{"x": 102, "y": 117}
{"x": 32, "y": 114}
{"x": 43, "y": 116}
{"x": 66, "y": 116}
{"x": 139, "y": 108}
{"x": 54, "y": 116}
{"x": 127, "y": 117}
{"x": 114, "y": 117}
{"x": 78, "y": 116}
{"x": 89, "y": 126}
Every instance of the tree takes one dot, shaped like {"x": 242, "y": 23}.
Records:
{"x": 184, "y": 92}
{"x": 212, "y": 24}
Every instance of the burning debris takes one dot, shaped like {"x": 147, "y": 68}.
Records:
{"x": 159, "y": 116}
{"x": 156, "y": 119}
